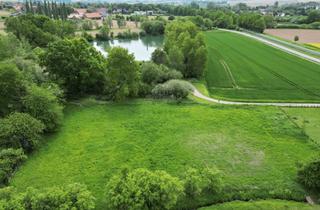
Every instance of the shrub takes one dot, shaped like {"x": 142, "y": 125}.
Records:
{"x": 296, "y": 38}
{"x": 74, "y": 196}
{"x": 192, "y": 183}
{"x": 205, "y": 180}
{"x": 172, "y": 89}
{"x": 20, "y": 130}
{"x": 43, "y": 105}
{"x": 309, "y": 175}
{"x": 103, "y": 33}
{"x": 10, "y": 159}
{"x": 128, "y": 35}
{"x": 153, "y": 74}
{"x": 171, "y": 17}
{"x": 211, "y": 180}
{"x": 142, "y": 33}
{"x": 87, "y": 36}
{"x": 143, "y": 189}
{"x": 153, "y": 27}
{"x": 159, "y": 56}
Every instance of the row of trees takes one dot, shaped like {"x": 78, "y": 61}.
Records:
{"x": 51, "y": 9}
{"x": 144, "y": 189}
{"x": 39, "y": 30}
{"x": 129, "y": 190}
{"x": 30, "y": 104}
{"x": 73, "y": 196}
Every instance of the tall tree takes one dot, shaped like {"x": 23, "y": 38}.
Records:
{"x": 76, "y": 66}
{"x": 122, "y": 74}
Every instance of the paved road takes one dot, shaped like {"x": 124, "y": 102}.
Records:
{"x": 197, "y": 94}
{"x": 278, "y": 46}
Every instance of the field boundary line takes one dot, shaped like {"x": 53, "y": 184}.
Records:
{"x": 277, "y": 46}
{"x": 198, "y": 94}
{"x": 227, "y": 69}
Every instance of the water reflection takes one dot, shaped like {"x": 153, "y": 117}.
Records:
{"x": 141, "y": 48}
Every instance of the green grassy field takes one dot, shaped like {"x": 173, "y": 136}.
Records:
{"x": 258, "y": 157}
{"x": 243, "y": 69}
{"x": 263, "y": 205}
{"x": 308, "y": 120}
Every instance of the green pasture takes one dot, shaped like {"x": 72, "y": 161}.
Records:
{"x": 263, "y": 205}
{"x": 257, "y": 149}
{"x": 240, "y": 68}
{"x": 306, "y": 119}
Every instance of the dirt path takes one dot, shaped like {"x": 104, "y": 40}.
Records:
{"x": 198, "y": 94}
{"x": 278, "y": 46}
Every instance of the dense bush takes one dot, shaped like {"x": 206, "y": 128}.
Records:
{"x": 206, "y": 180}
{"x": 153, "y": 74}
{"x": 20, "y": 130}
{"x": 309, "y": 175}
{"x": 175, "y": 89}
{"x": 103, "y": 34}
{"x": 10, "y": 47}
{"x": 76, "y": 66}
{"x": 192, "y": 183}
{"x": 43, "y": 105}
{"x": 128, "y": 35}
{"x": 143, "y": 189}
{"x": 30, "y": 70}
{"x": 12, "y": 86}
{"x": 71, "y": 197}
{"x": 87, "y": 36}
{"x": 159, "y": 56}
{"x": 10, "y": 159}
{"x": 153, "y": 27}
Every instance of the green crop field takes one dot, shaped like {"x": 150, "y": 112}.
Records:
{"x": 258, "y": 157}
{"x": 243, "y": 69}
{"x": 262, "y": 205}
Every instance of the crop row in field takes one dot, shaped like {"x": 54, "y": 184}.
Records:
{"x": 241, "y": 68}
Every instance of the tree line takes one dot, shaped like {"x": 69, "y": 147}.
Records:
{"x": 51, "y": 9}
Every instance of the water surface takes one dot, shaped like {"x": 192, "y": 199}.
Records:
{"x": 142, "y": 48}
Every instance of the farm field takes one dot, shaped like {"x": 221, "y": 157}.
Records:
{"x": 256, "y": 156}
{"x": 262, "y": 205}
{"x": 305, "y": 35}
{"x": 242, "y": 69}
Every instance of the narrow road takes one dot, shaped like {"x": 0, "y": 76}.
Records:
{"x": 198, "y": 94}
{"x": 278, "y": 46}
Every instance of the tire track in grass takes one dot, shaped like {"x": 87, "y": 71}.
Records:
{"x": 229, "y": 73}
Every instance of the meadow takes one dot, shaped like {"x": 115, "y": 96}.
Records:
{"x": 258, "y": 157}
{"x": 306, "y": 119}
{"x": 240, "y": 68}
{"x": 262, "y": 205}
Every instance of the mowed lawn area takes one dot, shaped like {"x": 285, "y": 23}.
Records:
{"x": 243, "y": 69}
{"x": 257, "y": 149}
